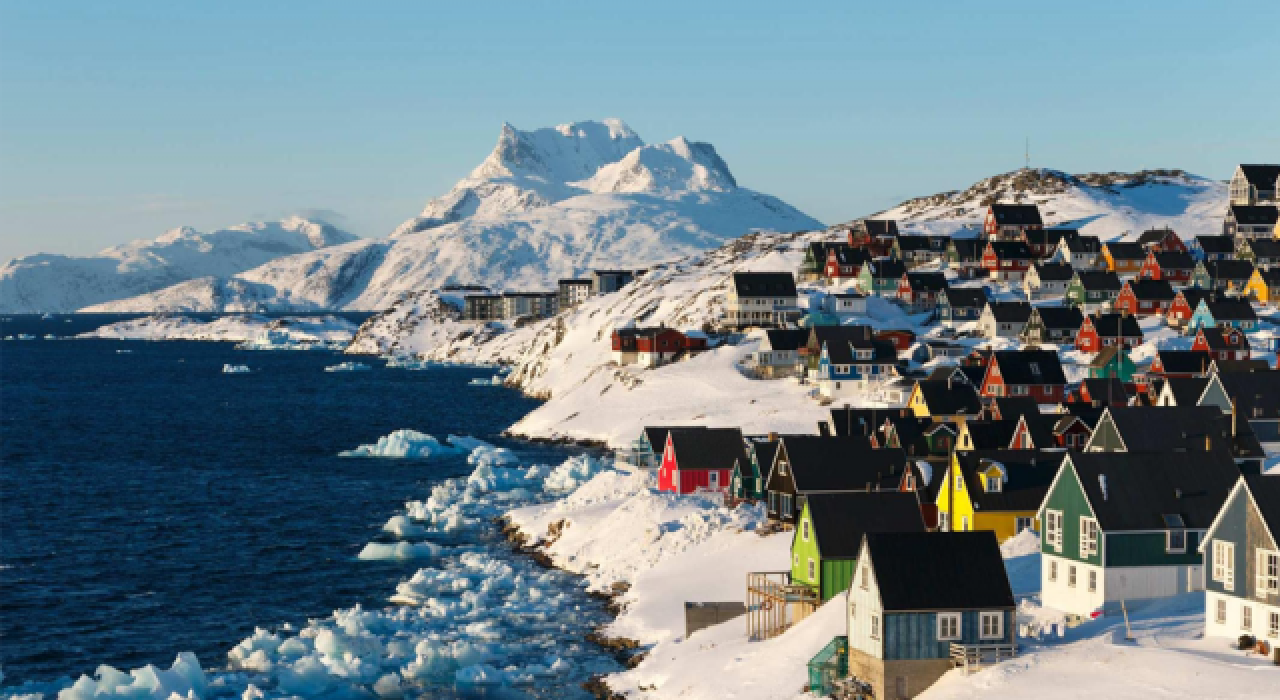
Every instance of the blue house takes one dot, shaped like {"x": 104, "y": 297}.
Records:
{"x": 1227, "y": 312}
{"x": 847, "y": 365}
{"x": 920, "y": 601}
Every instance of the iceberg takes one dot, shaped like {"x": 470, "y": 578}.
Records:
{"x": 348, "y": 367}
{"x": 236, "y": 369}
{"x": 496, "y": 380}
{"x": 410, "y": 444}
{"x": 184, "y": 678}
{"x": 407, "y": 363}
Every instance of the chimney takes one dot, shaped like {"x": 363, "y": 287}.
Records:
{"x": 773, "y": 437}
{"x": 1177, "y": 493}
{"x": 1102, "y": 485}
{"x": 1208, "y": 442}
{"x": 1233, "y": 418}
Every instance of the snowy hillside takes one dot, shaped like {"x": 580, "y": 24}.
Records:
{"x": 1109, "y": 205}
{"x": 62, "y": 283}
{"x": 543, "y": 205}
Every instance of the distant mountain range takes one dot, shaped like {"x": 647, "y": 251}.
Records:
{"x": 545, "y": 204}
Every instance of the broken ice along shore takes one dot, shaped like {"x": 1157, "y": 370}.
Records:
{"x": 475, "y": 614}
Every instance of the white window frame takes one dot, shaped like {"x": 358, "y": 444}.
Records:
{"x": 1088, "y": 537}
{"x": 1224, "y": 555}
{"x": 1021, "y": 523}
{"x": 1093, "y": 580}
{"x": 1246, "y": 617}
{"x": 997, "y": 618}
{"x": 1168, "y": 541}
{"x": 1071, "y": 575}
{"x": 1220, "y": 613}
{"x": 1053, "y": 571}
{"x": 804, "y": 530}
{"x": 813, "y": 570}
{"x": 875, "y": 626}
{"x": 949, "y": 627}
{"x": 1267, "y": 571}
{"x": 1273, "y": 624}
{"x": 992, "y": 483}
{"x": 1053, "y": 529}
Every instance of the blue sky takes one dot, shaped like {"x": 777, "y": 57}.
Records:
{"x": 118, "y": 121}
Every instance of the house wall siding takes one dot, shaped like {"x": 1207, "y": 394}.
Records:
{"x": 1148, "y": 549}
{"x": 1068, "y": 497}
{"x": 914, "y": 635}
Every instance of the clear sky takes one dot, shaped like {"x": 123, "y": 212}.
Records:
{"x": 121, "y": 120}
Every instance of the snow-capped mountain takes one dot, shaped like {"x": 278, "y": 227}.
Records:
{"x": 544, "y": 204}
{"x": 1107, "y": 205}
{"x": 61, "y": 283}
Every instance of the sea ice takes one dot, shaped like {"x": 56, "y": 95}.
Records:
{"x": 348, "y": 367}
{"x": 412, "y": 444}
{"x": 496, "y": 380}
{"x": 184, "y": 678}
{"x": 235, "y": 369}
{"x": 398, "y": 550}
{"x": 403, "y": 526}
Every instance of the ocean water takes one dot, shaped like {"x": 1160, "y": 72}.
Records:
{"x": 150, "y": 504}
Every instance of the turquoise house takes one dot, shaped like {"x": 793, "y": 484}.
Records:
{"x": 1223, "y": 313}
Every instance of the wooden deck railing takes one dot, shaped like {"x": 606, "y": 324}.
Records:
{"x": 968, "y": 656}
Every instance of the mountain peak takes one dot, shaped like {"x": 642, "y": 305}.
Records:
{"x": 679, "y": 165}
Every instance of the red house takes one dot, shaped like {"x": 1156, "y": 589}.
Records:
{"x": 1034, "y": 373}
{"x": 1072, "y": 432}
{"x": 1173, "y": 266}
{"x": 651, "y": 347}
{"x": 1222, "y": 343}
{"x": 844, "y": 262}
{"x": 1007, "y": 260}
{"x": 1144, "y": 297}
{"x": 700, "y": 459}
{"x": 1162, "y": 239}
{"x": 901, "y": 339}
{"x": 1105, "y": 330}
{"x": 1185, "y": 303}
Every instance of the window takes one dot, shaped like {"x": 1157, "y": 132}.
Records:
{"x": 942, "y": 521}
{"x": 964, "y": 523}
{"x": 1176, "y": 541}
{"x": 959, "y": 482}
{"x": 948, "y": 626}
{"x": 993, "y": 483}
{"x": 865, "y": 578}
{"x": 1268, "y": 572}
{"x": 1019, "y": 390}
{"x": 875, "y": 626}
{"x": 1246, "y": 617}
{"x": 1273, "y": 625}
{"x": 1220, "y": 613}
{"x": 1088, "y": 537}
{"x": 804, "y": 530}
{"x": 1071, "y": 576}
{"x": 1093, "y": 581}
{"x": 797, "y": 561}
{"x": 1224, "y": 554}
{"x": 1053, "y": 529}
{"x": 992, "y": 625}
{"x": 1053, "y": 571}
{"x": 853, "y": 610}
{"x": 813, "y": 573}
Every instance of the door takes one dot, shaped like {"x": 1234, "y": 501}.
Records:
{"x": 1195, "y": 578}
{"x": 900, "y": 687}
{"x": 714, "y": 480}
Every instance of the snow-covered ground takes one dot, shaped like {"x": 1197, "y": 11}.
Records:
{"x": 257, "y": 331}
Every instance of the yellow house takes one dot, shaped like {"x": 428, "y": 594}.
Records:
{"x": 1264, "y": 286}
{"x": 1124, "y": 258}
{"x": 997, "y": 490}
{"x": 944, "y": 400}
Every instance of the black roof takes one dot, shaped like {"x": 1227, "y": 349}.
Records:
{"x": 1142, "y": 488}
{"x": 991, "y": 434}
{"x": 764, "y": 284}
{"x": 1256, "y": 394}
{"x": 1151, "y": 290}
{"x": 1194, "y": 295}
{"x": 1057, "y": 271}
{"x": 1264, "y": 215}
{"x": 927, "y": 281}
{"x": 1109, "y": 389}
{"x": 1017, "y": 250}
{"x": 1168, "y": 428}
{"x": 1050, "y": 236}
{"x": 850, "y": 255}
{"x": 1116, "y": 325}
{"x": 1016, "y": 214}
{"x": 946, "y": 398}
{"x": 1174, "y": 260}
{"x": 877, "y": 228}
{"x": 1084, "y": 244}
{"x": 939, "y": 570}
{"x": 1099, "y": 280}
{"x": 708, "y": 448}
{"x": 1060, "y": 317}
{"x": 1231, "y": 309}
{"x": 818, "y": 249}
{"x": 966, "y": 297}
{"x": 1184, "y": 361}
{"x": 1264, "y": 247}
{"x": 884, "y": 269}
{"x": 967, "y": 249}
{"x": 913, "y": 242}
{"x": 1010, "y": 311}
{"x": 787, "y": 338}
{"x": 1030, "y": 367}
{"x": 657, "y": 434}
{"x": 578, "y": 281}
{"x": 834, "y": 464}
{"x": 841, "y": 519}
{"x": 764, "y": 451}
{"x": 1215, "y": 338}
{"x": 1222, "y": 367}
{"x": 1266, "y": 493}
{"x": 1220, "y": 243}
{"x": 1014, "y": 407}
{"x": 1154, "y": 236}
{"x": 841, "y": 352}
{"x": 830, "y": 334}
{"x": 1124, "y": 250}
{"x": 1028, "y": 474}
{"x": 1229, "y": 269}
{"x": 1261, "y": 176}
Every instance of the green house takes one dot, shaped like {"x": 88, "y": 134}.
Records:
{"x": 881, "y": 277}
{"x": 824, "y": 548}
{"x": 1124, "y": 527}
{"x": 1113, "y": 362}
{"x": 747, "y": 481}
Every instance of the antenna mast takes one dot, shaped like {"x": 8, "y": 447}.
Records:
{"x": 1026, "y": 153}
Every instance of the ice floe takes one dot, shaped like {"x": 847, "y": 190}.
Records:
{"x": 348, "y": 367}
{"x": 236, "y": 369}
{"x": 411, "y": 444}
{"x": 398, "y": 550}
{"x": 184, "y": 678}
{"x": 496, "y": 380}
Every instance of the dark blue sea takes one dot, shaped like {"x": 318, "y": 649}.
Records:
{"x": 150, "y": 504}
